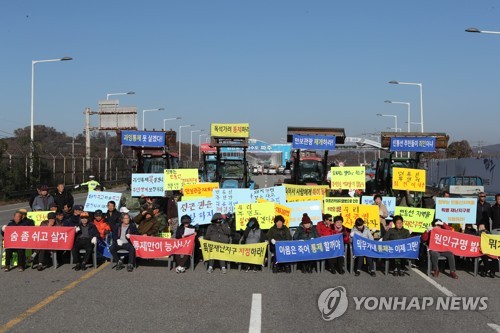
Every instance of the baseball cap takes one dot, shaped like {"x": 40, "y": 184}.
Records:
{"x": 84, "y": 215}
{"x": 22, "y": 211}
{"x": 51, "y": 215}
{"x": 78, "y": 207}
{"x": 124, "y": 210}
{"x": 98, "y": 212}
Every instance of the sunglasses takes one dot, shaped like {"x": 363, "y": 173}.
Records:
{"x": 482, "y": 196}
{"x": 329, "y": 219}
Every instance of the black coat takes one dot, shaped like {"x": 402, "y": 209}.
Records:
{"x": 117, "y": 231}
{"x": 93, "y": 232}
{"x": 495, "y": 217}
{"x": 64, "y": 198}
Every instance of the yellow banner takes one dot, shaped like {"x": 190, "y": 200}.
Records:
{"x": 263, "y": 211}
{"x": 333, "y": 205}
{"x": 304, "y": 198}
{"x": 284, "y": 211}
{"x": 369, "y": 213}
{"x": 246, "y": 253}
{"x": 38, "y": 216}
{"x": 348, "y": 178}
{"x": 203, "y": 190}
{"x": 408, "y": 179}
{"x": 303, "y": 190}
{"x": 175, "y": 179}
{"x": 416, "y": 219}
{"x": 490, "y": 244}
{"x": 230, "y": 130}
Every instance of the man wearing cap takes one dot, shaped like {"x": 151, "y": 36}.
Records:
{"x": 148, "y": 226}
{"x": 101, "y": 225}
{"x": 17, "y": 221}
{"x": 44, "y": 199}
{"x": 74, "y": 219}
{"x": 63, "y": 197}
{"x": 85, "y": 238}
{"x": 121, "y": 241}
{"x": 218, "y": 232}
{"x": 91, "y": 184}
{"x": 437, "y": 223}
{"x": 42, "y": 254}
{"x": 25, "y": 219}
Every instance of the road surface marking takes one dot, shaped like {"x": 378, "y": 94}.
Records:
{"x": 434, "y": 283}
{"x": 256, "y": 314}
{"x": 34, "y": 309}
{"x": 495, "y": 327}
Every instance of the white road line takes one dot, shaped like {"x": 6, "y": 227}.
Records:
{"x": 495, "y": 327}
{"x": 434, "y": 283}
{"x": 256, "y": 314}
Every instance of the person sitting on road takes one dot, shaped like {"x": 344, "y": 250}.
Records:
{"x": 41, "y": 263}
{"x": 361, "y": 230}
{"x": 112, "y": 216}
{"x": 91, "y": 184}
{"x": 253, "y": 235}
{"x": 85, "y": 238}
{"x": 306, "y": 231}
{"x": 17, "y": 221}
{"x": 102, "y": 226}
{"x": 121, "y": 241}
{"x": 437, "y": 223}
{"x": 278, "y": 232}
{"x": 396, "y": 233}
{"x": 338, "y": 228}
{"x": 325, "y": 228}
{"x": 148, "y": 226}
{"x": 180, "y": 259}
{"x": 219, "y": 232}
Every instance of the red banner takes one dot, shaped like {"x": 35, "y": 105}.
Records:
{"x": 158, "y": 247}
{"x": 39, "y": 238}
{"x": 459, "y": 244}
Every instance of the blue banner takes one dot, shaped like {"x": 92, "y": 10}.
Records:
{"x": 319, "y": 142}
{"x": 416, "y": 144}
{"x": 403, "y": 248}
{"x": 313, "y": 249}
{"x": 143, "y": 139}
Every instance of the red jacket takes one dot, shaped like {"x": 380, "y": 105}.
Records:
{"x": 323, "y": 229}
{"x": 426, "y": 235}
{"x": 343, "y": 231}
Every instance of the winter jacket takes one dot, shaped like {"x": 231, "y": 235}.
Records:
{"x": 43, "y": 201}
{"x": 149, "y": 227}
{"x": 162, "y": 222}
{"x": 483, "y": 213}
{"x": 92, "y": 231}
{"x": 427, "y": 235}
{"x": 305, "y": 234}
{"x": 363, "y": 233}
{"x": 344, "y": 232}
{"x": 323, "y": 229}
{"x": 395, "y": 234}
{"x": 103, "y": 228}
{"x": 71, "y": 221}
{"x": 63, "y": 198}
{"x": 112, "y": 217}
{"x": 14, "y": 224}
{"x": 180, "y": 231}
{"x": 495, "y": 217}
{"x": 253, "y": 236}
{"x": 117, "y": 231}
{"x": 282, "y": 234}
{"x": 218, "y": 232}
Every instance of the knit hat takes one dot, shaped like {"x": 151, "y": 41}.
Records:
{"x": 306, "y": 219}
{"x": 186, "y": 219}
{"x": 217, "y": 216}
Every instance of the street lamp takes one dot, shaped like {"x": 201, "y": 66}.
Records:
{"x": 149, "y": 110}
{"x": 180, "y": 138}
{"x": 165, "y": 120}
{"x": 407, "y": 104}
{"x": 119, "y": 94}
{"x": 421, "y": 101}
{"x": 191, "y": 142}
{"x": 199, "y": 145}
{"x": 476, "y": 30}
{"x": 32, "y": 130}
{"x": 390, "y": 115}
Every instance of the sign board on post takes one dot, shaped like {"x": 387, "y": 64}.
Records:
{"x": 456, "y": 210}
{"x": 315, "y": 142}
{"x": 416, "y": 144}
{"x": 143, "y": 139}
{"x": 408, "y": 179}
{"x": 230, "y": 130}
{"x": 263, "y": 211}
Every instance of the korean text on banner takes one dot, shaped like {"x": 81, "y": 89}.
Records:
{"x": 284, "y": 211}
{"x": 369, "y": 214}
{"x": 143, "y": 139}
{"x": 456, "y": 210}
{"x": 490, "y": 244}
{"x": 305, "y": 198}
{"x": 333, "y": 205}
{"x": 230, "y": 130}
{"x": 263, "y": 211}
{"x": 314, "y": 142}
{"x": 147, "y": 184}
{"x": 313, "y": 249}
{"x": 99, "y": 200}
{"x": 175, "y": 179}
{"x": 389, "y": 202}
{"x": 201, "y": 210}
{"x": 300, "y": 190}
{"x": 402, "y": 248}
{"x": 38, "y": 216}
{"x": 348, "y": 178}
{"x": 246, "y": 253}
{"x": 416, "y": 144}
{"x": 199, "y": 190}
{"x": 416, "y": 219}
{"x": 226, "y": 198}
{"x": 39, "y": 238}
{"x": 312, "y": 208}
{"x": 276, "y": 194}
{"x": 408, "y": 179}
{"x": 459, "y": 244}
{"x": 158, "y": 247}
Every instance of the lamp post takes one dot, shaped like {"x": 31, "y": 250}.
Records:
{"x": 119, "y": 94}
{"x": 199, "y": 145}
{"x": 421, "y": 101}
{"x": 165, "y": 121}
{"x": 476, "y": 30}
{"x": 180, "y": 139}
{"x": 32, "y": 128}
{"x": 409, "y": 112}
{"x": 149, "y": 110}
{"x": 390, "y": 115}
{"x": 191, "y": 143}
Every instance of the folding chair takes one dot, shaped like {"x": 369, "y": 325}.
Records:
{"x": 323, "y": 262}
{"x": 429, "y": 262}
{"x": 94, "y": 256}
{"x": 353, "y": 258}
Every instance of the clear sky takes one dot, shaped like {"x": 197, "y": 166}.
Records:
{"x": 269, "y": 63}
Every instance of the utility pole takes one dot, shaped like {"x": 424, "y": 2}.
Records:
{"x": 87, "y": 113}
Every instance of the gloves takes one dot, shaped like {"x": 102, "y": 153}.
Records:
{"x": 430, "y": 228}
{"x": 93, "y": 240}
{"x": 273, "y": 241}
{"x": 119, "y": 242}
{"x": 77, "y": 229}
{"x": 127, "y": 236}
{"x": 77, "y": 186}
{"x": 3, "y": 227}
{"x": 410, "y": 231}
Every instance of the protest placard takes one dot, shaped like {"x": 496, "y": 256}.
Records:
{"x": 402, "y": 248}
{"x": 99, "y": 200}
{"x": 245, "y": 253}
{"x": 333, "y": 205}
{"x": 408, "y": 179}
{"x": 416, "y": 219}
{"x": 199, "y": 190}
{"x": 158, "y": 247}
{"x": 147, "y": 184}
{"x": 348, "y": 178}
{"x": 369, "y": 214}
{"x": 175, "y": 179}
{"x": 313, "y": 249}
{"x": 263, "y": 211}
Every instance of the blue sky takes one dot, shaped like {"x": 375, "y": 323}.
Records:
{"x": 269, "y": 63}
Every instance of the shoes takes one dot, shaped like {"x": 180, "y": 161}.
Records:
{"x": 35, "y": 266}
{"x": 356, "y": 273}
{"x": 247, "y": 270}
{"x": 454, "y": 275}
{"x": 288, "y": 269}
{"x": 77, "y": 267}
{"x": 224, "y": 270}
{"x": 333, "y": 271}
{"x": 395, "y": 272}
{"x": 491, "y": 274}
{"x": 255, "y": 270}
{"x": 119, "y": 265}
{"x": 6, "y": 268}
{"x": 373, "y": 274}
{"x": 40, "y": 267}
{"x": 482, "y": 274}
{"x": 84, "y": 266}
{"x": 183, "y": 269}
{"x": 275, "y": 269}
{"x": 210, "y": 270}
{"x": 178, "y": 269}
{"x": 435, "y": 273}
{"x": 20, "y": 269}
{"x": 130, "y": 268}
{"x": 341, "y": 271}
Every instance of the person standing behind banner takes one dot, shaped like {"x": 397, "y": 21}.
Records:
{"x": 338, "y": 228}
{"x": 121, "y": 241}
{"x": 383, "y": 214}
{"x": 360, "y": 230}
{"x": 218, "y": 232}
{"x": 397, "y": 233}
{"x": 495, "y": 216}
{"x": 85, "y": 238}
{"x": 483, "y": 211}
{"x": 306, "y": 231}
{"x": 63, "y": 197}
{"x": 437, "y": 223}
{"x": 253, "y": 235}
{"x": 21, "y": 253}
{"x": 181, "y": 259}
{"x": 278, "y": 232}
